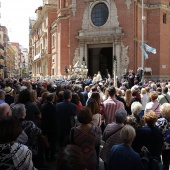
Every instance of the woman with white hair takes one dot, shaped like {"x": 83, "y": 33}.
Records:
{"x": 135, "y": 120}
{"x": 164, "y": 125}
{"x": 122, "y": 156}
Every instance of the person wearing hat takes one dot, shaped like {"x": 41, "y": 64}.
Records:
{"x": 9, "y": 98}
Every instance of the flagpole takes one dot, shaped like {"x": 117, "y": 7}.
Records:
{"x": 143, "y": 20}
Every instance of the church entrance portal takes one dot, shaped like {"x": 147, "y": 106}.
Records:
{"x": 100, "y": 59}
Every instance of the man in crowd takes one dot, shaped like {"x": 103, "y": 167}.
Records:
{"x": 66, "y": 115}
{"x": 111, "y": 105}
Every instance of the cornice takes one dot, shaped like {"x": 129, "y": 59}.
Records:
{"x": 153, "y": 6}
{"x": 41, "y": 17}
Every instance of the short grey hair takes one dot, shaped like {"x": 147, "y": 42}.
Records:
{"x": 18, "y": 110}
{"x": 136, "y": 108}
{"x": 127, "y": 134}
{"x": 120, "y": 115}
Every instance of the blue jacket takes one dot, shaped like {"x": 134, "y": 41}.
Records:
{"x": 123, "y": 157}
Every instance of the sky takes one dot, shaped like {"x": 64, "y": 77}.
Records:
{"x": 15, "y": 16}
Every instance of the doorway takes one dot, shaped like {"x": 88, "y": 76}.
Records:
{"x": 100, "y": 59}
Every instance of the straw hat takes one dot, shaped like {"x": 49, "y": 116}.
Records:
{"x": 8, "y": 90}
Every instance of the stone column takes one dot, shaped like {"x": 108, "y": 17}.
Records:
{"x": 117, "y": 53}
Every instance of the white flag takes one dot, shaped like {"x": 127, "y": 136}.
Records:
{"x": 150, "y": 49}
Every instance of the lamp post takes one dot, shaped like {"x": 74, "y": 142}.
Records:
{"x": 114, "y": 67}
{"x": 143, "y": 20}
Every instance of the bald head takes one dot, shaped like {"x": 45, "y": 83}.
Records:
{"x": 5, "y": 110}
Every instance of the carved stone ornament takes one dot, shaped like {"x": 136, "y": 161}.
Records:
{"x": 76, "y": 56}
{"x": 124, "y": 57}
{"x": 128, "y": 3}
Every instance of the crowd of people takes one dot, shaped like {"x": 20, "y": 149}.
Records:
{"x": 77, "y": 117}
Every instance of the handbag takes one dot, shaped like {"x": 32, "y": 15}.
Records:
{"x": 43, "y": 141}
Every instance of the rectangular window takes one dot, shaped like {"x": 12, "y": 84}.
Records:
{"x": 53, "y": 41}
{"x": 164, "y": 18}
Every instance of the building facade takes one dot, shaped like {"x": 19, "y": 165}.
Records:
{"x": 99, "y": 33}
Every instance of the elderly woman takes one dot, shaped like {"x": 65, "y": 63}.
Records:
{"x": 122, "y": 156}
{"x": 29, "y": 128}
{"x": 153, "y": 105}
{"x": 149, "y": 136}
{"x": 111, "y": 135}
{"x": 13, "y": 154}
{"x": 164, "y": 125}
{"x": 135, "y": 120}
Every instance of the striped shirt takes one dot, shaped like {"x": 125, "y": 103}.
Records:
{"x": 110, "y": 107}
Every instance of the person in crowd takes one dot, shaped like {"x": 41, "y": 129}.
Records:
{"x": 126, "y": 76}
{"x": 13, "y": 154}
{"x": 5, "y": 110}
{"x": 98, "y": 77}
{"x": 70, "y": 158}
{"x": 85, "y": 92}
{"x": 39, "y": 88}
{"x": 30, "y": 129}
{"x": 111, "y": 105}
{"x": 43, "y": 97}
{"x": 50, "y": 125}
{"x": 9, "y": 98}
{"x": 164, "y": 125}
{"x": 149, "y": 136}
{"x": 76, "y": 100}
{"x": 28, "y": 85}
{"x": 135, "y": 98}
{"x": 111, "y": 135}
{"x": 122, "y": 156}
{"x": 165, "y": 97}
{"x": 144, "y": 100}
{"x": 139, "y": 75}
{"x": 136, "y": 109}
{"x": 119, "y": 96}
{"x": 32, "y": 111}
{"x": 60, "y": 96}
{"x": 2, "y": 96}
{"x": 66, "y": 117}
{"x": 131, "y": 78}
{"x": 96, "y": 120}
{"x": 153, "y": 104}
{"x": 77, "y": 89}
{"x": 84, "y": 136}
{"x": 128, "y": 98}
{"x": 94, "y": 81}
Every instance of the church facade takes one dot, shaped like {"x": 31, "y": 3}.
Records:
{"x": 103, "y": 35}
